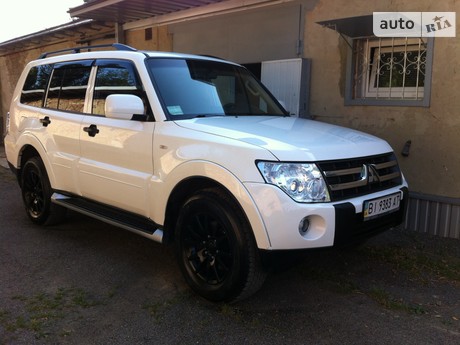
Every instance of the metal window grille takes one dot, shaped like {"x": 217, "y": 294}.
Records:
{"x": 389, "y": 68}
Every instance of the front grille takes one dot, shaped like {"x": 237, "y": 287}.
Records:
{"x": 359, "y": 176}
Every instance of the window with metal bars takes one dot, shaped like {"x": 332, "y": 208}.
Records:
{"x": 390, "y": 71}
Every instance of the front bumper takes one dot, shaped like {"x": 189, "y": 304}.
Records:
{"x": 351, "y": 228}
{"x": 331, "y": 224}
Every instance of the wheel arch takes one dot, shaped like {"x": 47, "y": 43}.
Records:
{"x": 33, "y": 149}
{"x": 229, "y": 185}
{"x": 181, "y": 192}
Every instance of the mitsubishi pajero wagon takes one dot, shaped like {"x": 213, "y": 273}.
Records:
{"x": 193, "y": 151}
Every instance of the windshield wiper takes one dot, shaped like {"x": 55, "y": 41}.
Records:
{"x": 208, "y": 115}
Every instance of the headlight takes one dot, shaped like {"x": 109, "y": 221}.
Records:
{"x": 302, "y": 182}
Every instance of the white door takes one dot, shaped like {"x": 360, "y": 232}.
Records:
{"x": 116, "y": 163}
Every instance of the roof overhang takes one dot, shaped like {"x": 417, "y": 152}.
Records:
{"x": 164, "y": 11}
{"x": 74, "y": 30}
{"x": 123, "y": 11}
{"x": 353, "y": 27}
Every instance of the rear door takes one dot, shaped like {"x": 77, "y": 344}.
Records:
{"x": 116, "y": 155}
{"x": 61, "y": 118}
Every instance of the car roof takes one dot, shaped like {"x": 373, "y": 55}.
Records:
{"x": 121, "y": 52}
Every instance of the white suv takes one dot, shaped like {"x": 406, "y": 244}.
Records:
{"x": 194, "y": 151}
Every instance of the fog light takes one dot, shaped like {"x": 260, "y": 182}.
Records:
{"x": 304, "y": 225}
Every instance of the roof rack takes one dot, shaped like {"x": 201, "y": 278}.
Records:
{"x": 76, "y": 50}
{"x": 212, "y": 56}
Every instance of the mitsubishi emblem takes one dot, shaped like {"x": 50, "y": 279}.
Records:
{"x": 369, "y": 172}
{"x": 373, "y": 174}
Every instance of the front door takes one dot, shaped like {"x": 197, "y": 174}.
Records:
{"x": 116, "y": 162}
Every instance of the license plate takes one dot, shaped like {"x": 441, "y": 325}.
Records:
{"x": 381, "y": 206}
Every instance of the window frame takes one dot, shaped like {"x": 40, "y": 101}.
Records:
{"x": 382, "y": 99}
{"x": 130, "y": 66}
{"x": 32, "y": 87}
{"x": 65, "y": 66}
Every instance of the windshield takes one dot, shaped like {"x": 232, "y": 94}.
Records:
{"x": 191, "y": 88}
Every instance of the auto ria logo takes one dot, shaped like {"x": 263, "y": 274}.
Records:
{"x": 414, "y": 24}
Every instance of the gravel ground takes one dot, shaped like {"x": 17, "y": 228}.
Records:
{"x": 85, "y": 282}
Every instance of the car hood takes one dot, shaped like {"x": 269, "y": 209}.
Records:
{"x": 290, "y": 138}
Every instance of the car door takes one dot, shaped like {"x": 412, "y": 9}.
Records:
{"x": 61, "y": 118}
{"x": 116, "y": 163}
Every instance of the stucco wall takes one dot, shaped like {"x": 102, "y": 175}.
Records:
{"x": 244, "y": 36}
{"x": 433, "y": 165}
{"x": 161, "y": 39}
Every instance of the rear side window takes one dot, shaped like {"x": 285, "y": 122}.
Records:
{"x": 115, "y": 77}
{"x": 33, "y": 91}
{"x": 68, "y": 86}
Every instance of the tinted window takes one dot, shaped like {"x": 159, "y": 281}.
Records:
{"x": 34, "y": 87}
{"x": 115, "y": 77}
{"x": 68, "y": 86}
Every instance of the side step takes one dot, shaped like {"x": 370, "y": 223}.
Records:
{"x": 128, "y": 221}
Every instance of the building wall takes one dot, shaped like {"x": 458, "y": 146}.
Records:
{"x": 433, "y": 165}
{"x": 250, "y": 36}
{"x": 161, "y": 39}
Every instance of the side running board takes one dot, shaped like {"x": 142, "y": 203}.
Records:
{"x": 128, "y": 221}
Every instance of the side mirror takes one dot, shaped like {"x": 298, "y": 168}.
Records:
{"x": 123, "y": 107}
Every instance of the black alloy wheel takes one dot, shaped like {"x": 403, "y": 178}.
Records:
{"x": 36, "y": 194}
{"x": 215, "y": 248}
{"x": 208, "y": 248}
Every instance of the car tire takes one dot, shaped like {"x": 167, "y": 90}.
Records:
{"x": 36, "y": 194}
{"x": 216, "y": 249}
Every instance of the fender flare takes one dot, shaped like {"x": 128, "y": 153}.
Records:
{"x": 218, "y": 174}
{"x": 28, "y": 139}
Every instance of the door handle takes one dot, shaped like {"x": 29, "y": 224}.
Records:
{"x": 91, "y": 130}
{"x": 45, "y": 121}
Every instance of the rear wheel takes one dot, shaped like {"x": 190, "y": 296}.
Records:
{"x": 215, "y": 248}
{"x": 36, "y": 194}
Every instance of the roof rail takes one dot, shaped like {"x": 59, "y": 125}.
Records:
{"x": 76, "y": 50}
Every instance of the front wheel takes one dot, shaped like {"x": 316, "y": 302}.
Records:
{"x": 36, "y": 194}
{"x": 215, "y": 248}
